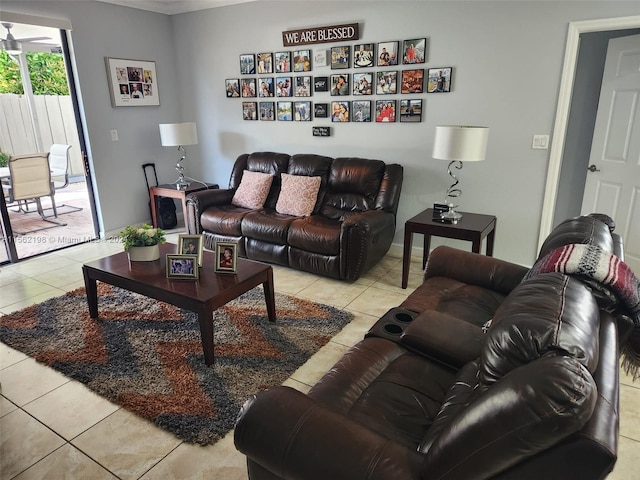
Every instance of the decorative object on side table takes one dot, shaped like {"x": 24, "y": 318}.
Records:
{"x": 177, "y": 135}
{"x": 141, "y": 243}
{"x": 458, "y": 143}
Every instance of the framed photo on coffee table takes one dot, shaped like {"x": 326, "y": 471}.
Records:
{"x": 191, "y": 245}
{"x": 183, "y": 267}
{"x": 226, "y": 257}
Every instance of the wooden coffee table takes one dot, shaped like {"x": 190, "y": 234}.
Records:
{"x": 202, "y": 296}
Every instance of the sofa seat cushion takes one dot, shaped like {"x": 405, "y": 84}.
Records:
{"x": 315, "y": 234}
{"x": 267, "y": 225}
{"x": 223, "y": 220}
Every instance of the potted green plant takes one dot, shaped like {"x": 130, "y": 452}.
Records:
{"x": 141, "y": 243}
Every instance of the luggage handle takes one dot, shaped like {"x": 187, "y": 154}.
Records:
{"x": 146, "y": 177}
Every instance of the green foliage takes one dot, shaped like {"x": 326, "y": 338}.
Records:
{"x": 4, "y": 159}
{"x": 47, "y": 72}
{"x": 144, "y": 236}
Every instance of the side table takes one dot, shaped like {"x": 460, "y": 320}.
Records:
{"x": 472, "y": 227}
{"x": 170, "y": 190}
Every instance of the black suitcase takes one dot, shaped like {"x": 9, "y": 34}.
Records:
{"x": 166, "y": 211}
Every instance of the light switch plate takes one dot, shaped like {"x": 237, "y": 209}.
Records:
{"x": 540, "y": 142}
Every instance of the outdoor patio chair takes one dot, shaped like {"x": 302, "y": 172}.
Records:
{"x": 59, "y": 164}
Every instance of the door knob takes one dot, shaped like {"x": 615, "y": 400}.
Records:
{"x": 593, "y": 168}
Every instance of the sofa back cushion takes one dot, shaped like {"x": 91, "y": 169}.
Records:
{"x": 590, "y": 229}
{"x": 264, "y": 162}
{"x": 312, "y": 166}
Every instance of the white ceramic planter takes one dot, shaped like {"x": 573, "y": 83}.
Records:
{"x": 144, "y": 254}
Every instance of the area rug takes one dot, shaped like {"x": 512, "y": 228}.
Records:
{"x": 147, "y": 355}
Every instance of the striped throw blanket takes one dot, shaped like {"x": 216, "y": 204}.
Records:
{"x": 611, "y": 276}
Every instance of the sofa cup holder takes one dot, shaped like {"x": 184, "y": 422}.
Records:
{"x": 392, "y": 324}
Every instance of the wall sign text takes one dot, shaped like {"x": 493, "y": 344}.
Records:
{"x": 333, "y": 33}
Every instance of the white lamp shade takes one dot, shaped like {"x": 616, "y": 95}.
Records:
{"x": 460, "y": 142}
{"x": 176, "y": 134}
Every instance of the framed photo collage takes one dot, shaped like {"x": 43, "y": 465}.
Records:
{"x": 277, "y": 86}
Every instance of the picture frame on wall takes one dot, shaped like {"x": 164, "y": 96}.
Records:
{"x": 412, "y": 81}
{"x": 302, "y": 86}
{"x": 267, "y": 111}
{"x": 302, "y": 60}
{"x": 191, "y": 245}
{"x": 363, "y": 55}
{"x": 386, "y": 82}
{"x": 439, "y": 80}
{"x": 248, "y": 87}
{"x": 387, "y": 53}
{"x": 266, "y": 87}
{"x": 249, "y": 111}
{"x": 232, "y": 87}
{"x": 385, "y": 111}
{"x": 282, "y": 62}
{"x": 226, "y": 257}
{"x": 414, "y": 51}
{"x": 411, "y": 110}
{"x": 340, "y": 111}
{"x": 320, "y": 110}
{"x": 132, "y": 83}
{"x": 265, "y": 63}
{"x": 320, "y": 57}
{"x": 182, "y": 267}
{"x": 361, "y": 111}
{"x": 302, "y": 111}
{"x": 284, "y": 113}
{"x": 283, "y": 86}
{"x": 247, "y": 64}
{"x": 363, "y": 83}
{"x": 340, "y": 84}
{"x": 340, "y": 57}
{"x": 320, "y": 84}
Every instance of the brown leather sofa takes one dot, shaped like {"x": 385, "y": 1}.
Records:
{"x": 350, "y": 229}
{"x": 427, "y": 394}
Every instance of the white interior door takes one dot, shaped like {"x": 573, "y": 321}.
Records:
{"x": 613, "y": 180}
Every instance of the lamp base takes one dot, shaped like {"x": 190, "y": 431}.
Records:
{"x": 451, "y": 215}
{"x": 181, "y": 183}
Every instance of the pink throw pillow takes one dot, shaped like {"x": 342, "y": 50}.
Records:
{"x": 298, "y": 195}
{"x": 253, "y": 190}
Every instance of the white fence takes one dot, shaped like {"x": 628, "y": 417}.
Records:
{"x": 56, "y": 123}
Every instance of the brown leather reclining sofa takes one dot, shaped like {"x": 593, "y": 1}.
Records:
{"x": 427, "y": 394}
{"x": 350, "y": 229}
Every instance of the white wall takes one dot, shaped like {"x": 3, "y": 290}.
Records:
{"x": 507, "y": 59}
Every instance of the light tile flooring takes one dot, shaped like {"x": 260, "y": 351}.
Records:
{"x": 53, "y": 427}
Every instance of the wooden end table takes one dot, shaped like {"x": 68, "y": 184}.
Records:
{"x": 170, "y": 190}
{"x": 203, "y": 296}
{"x": 472, "y": 226}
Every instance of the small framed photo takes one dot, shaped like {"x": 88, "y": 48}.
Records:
{"x": 132, "y": 83}
{"x": 320, "y": 58}
{"x": 412, "y": 81}
{"x": 249, "y": 111}
{"x": 386, "y": 111}
{"x": 363, "y": 55}
{"x": 267, "y": 111}
{"x": 363, "y": 83}
{"x": 411, "y": 110}
{"x": 283, "y": 62}
{"x": 414, "y": 51}
{"x": 302, "y": 87}
{"x": 226, "y": 257}
{"x": 232, "y": 87}
{"x": 361, "y": 111}
{"x": 387, "y": 54}
{"x": 265, "y": 63}
{"x": 248, "y": 64}
{"x": 320, "y": 84}
{"x": 183, "y": 267}
{"x": 340, "y": 84}
{"x": 283, "y": 86}
{"x": 302, "y": 61}
{"x": 439, "y": 80}
{"x": 266, "y": 87}
{"x": 302, "y": 111}
{"x": 320, "y": 110}
{"x": 386, "y": 82}
{"x": 284, "y": 112}
{"x": 191, "y": 245}
{"x": 340, "y": 111}
{"x": 248, "y": 87}
{"x": 340, "y": 57}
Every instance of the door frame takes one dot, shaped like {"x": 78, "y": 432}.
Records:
{"x": 563, "y": 109}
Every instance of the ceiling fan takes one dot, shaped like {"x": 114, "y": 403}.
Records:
{"x": 14, "y": 46}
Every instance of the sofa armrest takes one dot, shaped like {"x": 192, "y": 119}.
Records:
{"x": 198, "y": 202}
{"x": 474, "y": 269}
{"x": 293, "y": 436}
{"x": 365, "y": 238}
{"x": 444, "y": 338}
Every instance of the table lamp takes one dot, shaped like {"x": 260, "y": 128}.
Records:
{"x": 458, "y": 143}
{"x": 179, "y": 134}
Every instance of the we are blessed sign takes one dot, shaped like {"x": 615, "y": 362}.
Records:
{"x": 333, "y": 33}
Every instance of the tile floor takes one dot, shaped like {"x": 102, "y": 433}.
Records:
{"x": 53, "y": 427}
